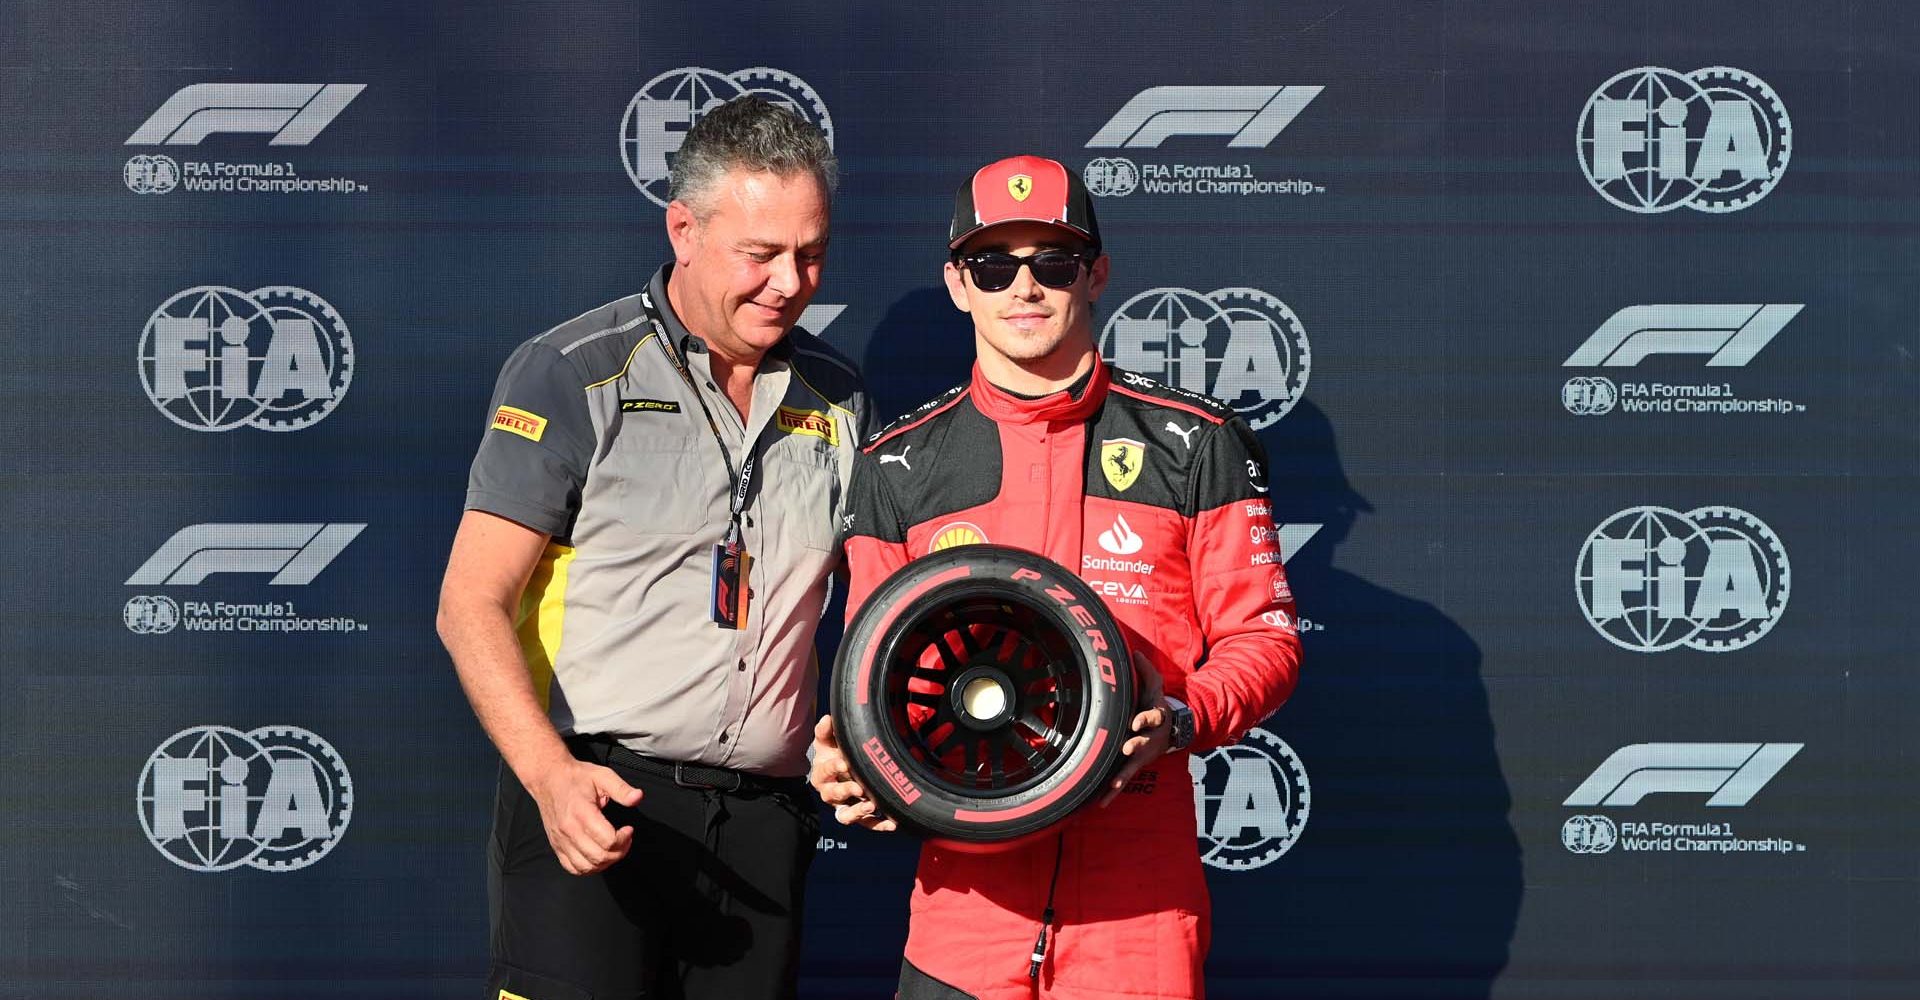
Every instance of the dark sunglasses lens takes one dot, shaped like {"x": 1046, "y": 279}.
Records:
{"x": 993, "y": 271}
{"x": 1055, "y": 268}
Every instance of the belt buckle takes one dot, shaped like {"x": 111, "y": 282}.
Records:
{"x": 679, "y": 778}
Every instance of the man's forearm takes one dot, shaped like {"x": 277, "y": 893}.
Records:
{"x": 486, "y": 655}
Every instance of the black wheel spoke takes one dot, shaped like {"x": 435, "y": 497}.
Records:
{"x": 967, "y": 640}
{"x": 1017, "y": 645}
{"x": 954, "y": 739}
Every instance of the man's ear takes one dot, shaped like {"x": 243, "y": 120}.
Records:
{"x": 957, "y": 287}
{"x": 683, "y": 231}
{"x": 1097, "y": 278}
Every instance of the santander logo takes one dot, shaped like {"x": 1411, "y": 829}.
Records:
{"x": 1120, "y": 539}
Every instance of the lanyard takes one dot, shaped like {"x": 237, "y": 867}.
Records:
{"x": 744, "y": 478}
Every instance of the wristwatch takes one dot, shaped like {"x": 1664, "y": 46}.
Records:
{"x": 1182, "y": 721}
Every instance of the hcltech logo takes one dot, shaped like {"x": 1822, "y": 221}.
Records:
{"x": 1250, "y": 801}
{"x": 658, "y": 117}
{"x": 1250, "y": 118}
{"x": 1651, "y": 579}
{"x": 1714, "y": 140}
{"x": 1726, "y": 336}
{"x": 214, "y": 358}
{"x": 1241, "y": 346}
{"x": 289, "y": 554}
{"x": 294, "y": 114}
{"x": 1730, "y": 774}
{"x": 213, "y": 798}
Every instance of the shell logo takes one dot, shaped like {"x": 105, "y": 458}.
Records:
{"x": 957, "y": 533}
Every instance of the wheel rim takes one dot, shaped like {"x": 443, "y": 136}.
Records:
{"x": 979, "y": 644}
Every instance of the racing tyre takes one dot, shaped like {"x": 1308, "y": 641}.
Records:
{"x": 982, "y": 695}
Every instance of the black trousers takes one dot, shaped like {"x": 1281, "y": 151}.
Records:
{"x": 705, "y": 906}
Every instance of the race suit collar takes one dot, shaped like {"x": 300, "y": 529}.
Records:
{"x": 1005, "y": 407}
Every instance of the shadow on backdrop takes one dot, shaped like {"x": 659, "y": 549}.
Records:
{"x": 921, "y": 348}
{"x": 1406, "y": 881}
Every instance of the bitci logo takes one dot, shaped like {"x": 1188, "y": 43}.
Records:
{"x": 1241, "y": 346}
{"x": 213, "y": 798}
{"x": 277, "y": 358}
{"x": 1713, "y": 140}
{"x": 661, "y": 113}
{"x": 1713, "y": 579}
{"x": 1250, "y": 801}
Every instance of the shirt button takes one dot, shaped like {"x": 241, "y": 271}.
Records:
{"x": 723, "y": 737}
{"x": 743, "y": 664}
{"x": 710, "y": 386}
{"x": 749, "y": 520}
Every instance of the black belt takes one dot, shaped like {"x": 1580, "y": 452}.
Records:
{"x": 699, "y": 776}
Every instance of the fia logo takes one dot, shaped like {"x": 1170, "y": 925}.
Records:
{"x": 1713, "y": 579}
{"x": 663, "y": 110}
{"x": 1250, "y": 801}
{"x": 1595, "y": 834}
{"x": 1715, "y": 140}
{"x": 212, "y": 798}
{"x": 1241, "y": 346}
{"x": 277, "y": 358}
{"x": 1589, "y": 395}
{"x": 156, "y": 174}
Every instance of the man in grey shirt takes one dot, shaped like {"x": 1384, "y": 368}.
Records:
{"x": 633, "y": 590}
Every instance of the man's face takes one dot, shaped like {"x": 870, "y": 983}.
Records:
{"x": 749, "y": 258}
{"x": 1027, "y": 321}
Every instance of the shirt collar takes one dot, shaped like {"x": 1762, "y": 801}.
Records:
{"x": 690, "y": 344}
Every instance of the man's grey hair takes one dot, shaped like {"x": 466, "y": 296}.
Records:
{"x": 753, "y": 134}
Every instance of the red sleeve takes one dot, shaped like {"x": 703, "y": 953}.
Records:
{"x": 1252, "y": 651}
{"x": 876, "y": 542}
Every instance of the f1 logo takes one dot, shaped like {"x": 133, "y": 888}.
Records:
{"x": 1732, "y": 773}
{"x": 294, "y": 553}
{"x": 1732, "y": 334}
{"x": 1253, "y": 116}
{"x": 293, "y": 113}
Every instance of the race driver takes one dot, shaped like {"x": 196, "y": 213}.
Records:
{"x": 1158, "y": 497}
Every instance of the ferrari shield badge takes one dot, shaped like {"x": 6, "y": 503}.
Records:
{"x": 1121, "y": 459}
{"x": 1020, "y": 186}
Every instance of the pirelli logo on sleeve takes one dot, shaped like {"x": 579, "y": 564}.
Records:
{"x": 811, "y": 422}
{"x": 514, "y": 420}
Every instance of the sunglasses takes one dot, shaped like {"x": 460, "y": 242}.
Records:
{"x": 994, "y": 270}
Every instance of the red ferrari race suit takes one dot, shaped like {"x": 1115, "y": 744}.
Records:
{"x": 1158, "y": 497}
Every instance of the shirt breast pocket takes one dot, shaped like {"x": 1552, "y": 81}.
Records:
{"x": 660, "y": 489}
{"x": 801, "y": 495}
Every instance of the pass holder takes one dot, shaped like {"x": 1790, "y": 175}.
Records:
{"x": 732, "y": 581}
{"x": 732, "y": 590}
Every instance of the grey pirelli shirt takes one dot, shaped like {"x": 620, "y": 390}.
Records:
{"x": 594, "y": 439}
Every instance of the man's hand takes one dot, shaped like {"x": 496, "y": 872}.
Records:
{"x": 1154, "y": 724}
{"x": 571, "y": 795}
{"x": 831, "y": 777}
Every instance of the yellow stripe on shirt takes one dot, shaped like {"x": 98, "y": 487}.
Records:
{"x": 543, "y": 609}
